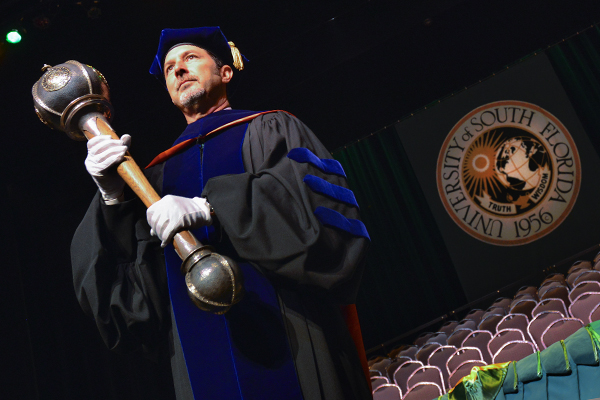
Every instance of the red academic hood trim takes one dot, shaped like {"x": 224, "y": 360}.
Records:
{"x": 165, "y": 155}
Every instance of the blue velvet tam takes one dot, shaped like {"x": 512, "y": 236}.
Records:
{"x": 210, "y": 38}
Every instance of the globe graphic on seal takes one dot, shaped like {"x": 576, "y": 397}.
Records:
{"x": 506, "y": 170}
{"x": 520, "y": 163}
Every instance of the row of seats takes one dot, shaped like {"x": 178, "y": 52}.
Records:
{"x": 509, "y": 330}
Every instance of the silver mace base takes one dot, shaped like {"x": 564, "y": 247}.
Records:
{"x": 213, "y": 281}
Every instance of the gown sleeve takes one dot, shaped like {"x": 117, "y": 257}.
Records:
{"x": 291, "y": 213}
{"x": 119, "y": 276}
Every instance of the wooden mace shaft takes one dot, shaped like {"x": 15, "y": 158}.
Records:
{"x": 185, "y": 243}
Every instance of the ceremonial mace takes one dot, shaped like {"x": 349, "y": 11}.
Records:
{"x": 74, "y": 98}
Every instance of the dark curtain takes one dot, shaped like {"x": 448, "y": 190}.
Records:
{"x": 577, "y": 64}
{"x": 409, "y": 279}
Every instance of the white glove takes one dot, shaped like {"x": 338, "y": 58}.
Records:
{"x": 172, "y": 214}
{"x": 104, "y": 153}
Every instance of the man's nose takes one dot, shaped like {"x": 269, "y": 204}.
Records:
{"x": 180, "y": 68}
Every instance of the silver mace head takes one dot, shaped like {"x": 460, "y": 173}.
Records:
{"x": 70, "y": 95}
{"x": 68, "y": 91}
{"x": 214, "y": 282}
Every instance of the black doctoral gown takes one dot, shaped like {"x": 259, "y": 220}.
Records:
{"x": 265, "y": 216}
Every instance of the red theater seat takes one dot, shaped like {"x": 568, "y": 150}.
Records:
{"x": 404, "y": 372}
{"x": 422, "y": 339}
{"x": 560, "y": 330}
{"x": 389, "y": 371}
{"x": 582, "y": 287}
{"x": 490, "y": 322}
{"x": 550, "y": 305}
{"x": 425, "y": 350}
{"x": 514, "y": 351}
{"x": 587, "y": 275}
{"x": 439, "y": 337}
{"x": 502, "y": 337}
{"x": 427, "y": 373}
{"x": 448, "y": 327}
{"x": 424, "y": 391}
{"x": 377, "y": 381}
{"x": 440, "y": 357}
{"x": 409, "y": 352}
{"x": 480, "y": 339}
{"x": 578, "y": 265}
{"x": 538, "y": 326}
{"x": 523, "y": 306}
{"x": 532, "y": 290}
{"x": 502, "y": 302}
{"x": 557, "y": 292}
{"x": 461, "y": 355}
{"x": 457, "y": 337}
{"x": 515, "y": 321}
{"x": 463, "y": 370}
{"x": 583, "y": 306}
{"x": 387, "y": 392}
{"x": 475, "y": 315}
{"x": 381, "y": 365}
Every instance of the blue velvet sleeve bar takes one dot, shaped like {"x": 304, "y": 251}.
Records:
{"x": 319, "y": 185}
{"x": 304, "y": 155}
{"x": 329, "y": 217}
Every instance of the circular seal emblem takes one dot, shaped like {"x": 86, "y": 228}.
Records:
{"x": 56, "y": 78}
{"x": 508, "y": 173}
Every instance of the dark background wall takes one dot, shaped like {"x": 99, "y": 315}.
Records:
{"x": 347, "y": 68}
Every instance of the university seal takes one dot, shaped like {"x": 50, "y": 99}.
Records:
{"x": 508, "y": 173}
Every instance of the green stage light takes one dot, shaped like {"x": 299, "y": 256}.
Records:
{"x": 13, "y": 36}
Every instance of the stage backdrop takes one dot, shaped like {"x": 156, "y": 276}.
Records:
{"x": 509, "y": 174}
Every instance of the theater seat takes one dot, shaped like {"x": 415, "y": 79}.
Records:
{"x": 502, "y": 337}
{"x": 427, "y": 373}
{"x": 515, "y": 321}
{"x": 480, "y": 339}
{"x": 440, "y": 357}
{"x": 514, "y": 351}
{"x": 583, "y": 306}
{"x": 387, "y": 392}
{"x": 424, "y": 391}
{"x": 560, "y": 330}
{"x": 538, "y": 326}
{"x": 463, "y": 370}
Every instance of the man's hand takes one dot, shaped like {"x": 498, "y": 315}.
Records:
{"x": 172, "y": 214}
{"x": 104, "y": 153}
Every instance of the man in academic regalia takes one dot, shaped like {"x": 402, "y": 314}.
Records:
{"x": 261, "y": 189}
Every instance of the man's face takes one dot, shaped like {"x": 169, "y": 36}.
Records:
{"x": 192, "y": 77}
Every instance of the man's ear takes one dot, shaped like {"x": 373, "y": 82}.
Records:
{"x": 226, "y": 73}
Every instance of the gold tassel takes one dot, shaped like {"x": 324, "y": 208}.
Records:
{"x": 238, "y": 62}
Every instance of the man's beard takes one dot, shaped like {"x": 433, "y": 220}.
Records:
{"x": 191, "y": 97}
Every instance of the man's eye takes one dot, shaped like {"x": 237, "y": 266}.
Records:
{"x": 169, "y": 68}
{"x": 191, "y": 56}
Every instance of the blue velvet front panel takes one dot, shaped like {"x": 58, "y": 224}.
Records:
{"x": 245, "y": 353}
